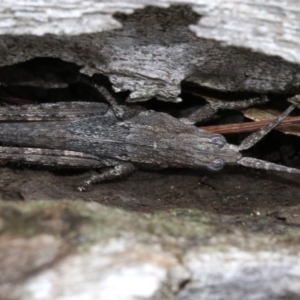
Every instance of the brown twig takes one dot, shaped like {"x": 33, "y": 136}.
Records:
{"x": 249, "y": 126}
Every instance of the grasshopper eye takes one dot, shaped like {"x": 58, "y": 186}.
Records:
{"x": 218, "y": 140}
{"x": 215, "y": 165}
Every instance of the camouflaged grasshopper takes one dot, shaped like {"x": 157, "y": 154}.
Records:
{"x": 121, "y": 139}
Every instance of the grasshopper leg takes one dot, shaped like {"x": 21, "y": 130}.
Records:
{"x": 60, "y": 111}
{"x": 118, "y": 171}
{"x": 50, "y": 157}
{"x": 207, "y": 111}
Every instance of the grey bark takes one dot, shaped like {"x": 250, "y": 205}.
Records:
{"x": 155, "y": 50}
{"x": 270, "y": 27}
{"x": 169, "y": 255}
{"x": 149, "y": 52}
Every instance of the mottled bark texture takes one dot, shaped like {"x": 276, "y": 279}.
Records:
{"x": 271, "y": 27}
{"x": 75, "y": 250}
{"x": 155, "y": 50}
{"x": 239, "y": 239}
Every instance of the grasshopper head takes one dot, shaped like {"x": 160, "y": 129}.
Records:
{"x": 211, "y": 151}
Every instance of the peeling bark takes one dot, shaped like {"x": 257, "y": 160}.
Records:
{"x": 154, "y": 53}
{"x": 271, "y": 27}
{"x": 239, "y": 237}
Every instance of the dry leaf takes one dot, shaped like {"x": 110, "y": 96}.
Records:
{"x": 268, "y": 115}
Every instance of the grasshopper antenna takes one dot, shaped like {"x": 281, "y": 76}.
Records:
{"x": 255, "y": 163}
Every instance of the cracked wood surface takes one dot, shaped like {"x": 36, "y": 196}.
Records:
{"x": 155, "y": 50}
{"x": 150, "y": 55}
{"x": 75, "y": 250}
{"x": 271, "y": 27}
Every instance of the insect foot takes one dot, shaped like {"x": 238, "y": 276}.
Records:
{"x": 81, "y": 189}
{"x": 295, "y": 101}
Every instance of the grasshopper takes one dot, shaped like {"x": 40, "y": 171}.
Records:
{"x": 120, "y": 139}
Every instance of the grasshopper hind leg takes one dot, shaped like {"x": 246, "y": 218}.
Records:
{"x": 69, "y": 159}
{"x": 49, "y": 157}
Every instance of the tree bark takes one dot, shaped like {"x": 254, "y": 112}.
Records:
{"x": 156, "y": 50}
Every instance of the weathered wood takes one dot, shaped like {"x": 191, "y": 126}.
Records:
{"x": 271, "y": 27}
{"x": 150, "y": 56}
{"x": 178, "y": 254}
